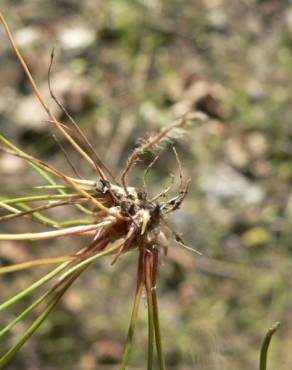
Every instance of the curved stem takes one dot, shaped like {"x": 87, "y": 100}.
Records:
{"x": 265, "y": 346}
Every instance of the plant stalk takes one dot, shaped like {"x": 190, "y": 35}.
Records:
{"x": 135, "y": 309}
{"x": 159, "y": 347}
{"x": 148, "y": 284}
{"x": 265, "y": 346}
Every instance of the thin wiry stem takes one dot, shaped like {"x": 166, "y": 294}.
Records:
{"x": 265, "y": 346}
{"x": 164, "y": 192}
{"x": 40, "y": 169}
{"x": 14, "y": 150}
{"x": 44, "y": 169}
{"x": 156, "y": 140}
{"x": 76, "y": 126}
{"x": 36, "y": 198}
{"x": 179, "y": 166}
{"x": 70, "y": 163}
{"x": 35, "y": 212}
{"x": 39, "y": 96}
{"x": 151, "y": 164}
{"x": 133, "y": 320}
{"x": 17, "y": 213}
{"x": 52, "y": 182}
{"x": 31, "y": 214}
{"x": 36, "y": 209}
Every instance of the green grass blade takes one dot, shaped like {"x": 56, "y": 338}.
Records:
{"x": 33, "y": 287}
{"x": 265, "y": 346}
{"x": 36, "y": 324}
{"x": 50, "y": 187}
{"x": 76, "y": 222}
{"x": 27, "y": 311}
{"x": 157, "y": 331}
{"x": 39, "y": 216}
{"x": 11, "y": 353}
{"x": 21, "y": 202}
{"x": 42, "y": 169}
{"x": 36, "y": 214}
{"x": 36, "y": 198}
{"x": 35, "y": 263}
{"x": 148, "y": 283}
{"x": 134, "y": 315}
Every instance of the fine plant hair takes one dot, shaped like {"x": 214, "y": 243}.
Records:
{"x": 117, "y": 217}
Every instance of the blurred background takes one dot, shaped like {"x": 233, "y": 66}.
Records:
{"x": 124, "y": 69}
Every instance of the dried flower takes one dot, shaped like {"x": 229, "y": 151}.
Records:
{"x": 119, "y": 218}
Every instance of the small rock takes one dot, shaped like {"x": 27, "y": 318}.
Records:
{"x": 10, "y": 164}
{"x": 30, "y": 114}
{"x": 236, "y": 152}
{"x": 27, "y": 36}
{"x": 76, "y": 38}
{"x": 255, "y": 89}
{"x": 218, "y": 19}
{"x": 225, "y": 183}
{"x": 257, "y": 144}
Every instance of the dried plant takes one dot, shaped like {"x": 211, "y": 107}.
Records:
{"x": 119, "y": 218}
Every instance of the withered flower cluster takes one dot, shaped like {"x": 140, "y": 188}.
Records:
{"x": 119, "y": 218}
